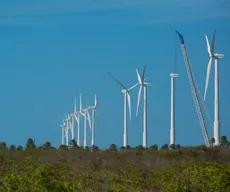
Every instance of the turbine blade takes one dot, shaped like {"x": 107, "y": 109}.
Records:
{"x": 208, "y": 46}
{"x": 75, "y": 106}
{"x": 80, "y": 103}
{"x": 213, "y": 42}
{"x": 207, "y": 77}
{"x": 76, "y": 118}
{"x": 119, "y": 82}
{"x": 65, "y": 117}
{"x": 138, "y": 77}
{"x": 143, "y": 74}
{"x": 70, "y": 124}
{"x": 87, "y": 100}
{"x": 97, "y": 116}
{"x": 83, "y": 114}
{"x": 129, "y": 104}
{"x": 95, "y": 101}
{"x": 138, "y": 99}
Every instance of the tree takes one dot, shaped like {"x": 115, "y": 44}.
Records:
{"x": 178, "y": 146}
{"x": 113, "y": 147}
{"x": 30, "y": 144}
{"x": 63, "y": 147}
{"x": 154, "y": 147}
{"x": 172, "y": 146}
{"x": 12, "y": 148}
{"x": 125, "y": 148}
{"x": 164, "y": 147}
{"x": 212, "y": 141}
{"x": 73, "y": 143}
{"x": 2, "y": 145}
{"x": 47, "y": 145}
{"x": 19, "y": 148}
{"x": 122, "y": 148}
{"x": 224, "y": 141}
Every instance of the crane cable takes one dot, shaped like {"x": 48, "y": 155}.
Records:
{"x": 175, "y": 59}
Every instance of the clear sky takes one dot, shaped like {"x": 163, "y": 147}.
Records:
{"x": 51, "y": 50}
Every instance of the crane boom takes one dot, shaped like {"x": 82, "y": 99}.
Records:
{"x": 194, "y": 91}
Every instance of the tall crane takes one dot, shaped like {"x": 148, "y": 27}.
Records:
{"x": 194, "y": 91}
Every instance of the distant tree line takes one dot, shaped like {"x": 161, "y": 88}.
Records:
{"x": 30, "y": 144}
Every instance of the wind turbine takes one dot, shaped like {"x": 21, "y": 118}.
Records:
{"x": 94, "y": 110}
{"x": 68, "y": 126}
{"x": 215, "y": 56}
{"x": 172, "y": 128}
{"x": 63, "y": 131}
{"x": 144, "y": 85}
{"x": 86, "y": 115}
{"x": 126, "y": 93}
{"x": 76, "y": 116}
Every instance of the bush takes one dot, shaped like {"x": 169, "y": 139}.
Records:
{"x": 187, "y": 169}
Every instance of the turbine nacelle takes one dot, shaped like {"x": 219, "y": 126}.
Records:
{"x": 174, "y": 75}
{"x": 124, "y": 91}
{"x": 146, "y": 84}
{"x": 218, "y": 56}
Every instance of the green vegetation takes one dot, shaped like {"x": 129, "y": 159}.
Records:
{"x": 172, "y": 169}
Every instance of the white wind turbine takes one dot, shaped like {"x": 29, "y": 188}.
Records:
{"x": 94, "y": 110}
{"x": 76, "y": 116}
{"x": 86, "y": 115}
{"x": 215, "y": 56}
{"x": 172, "y": 113}
{"x": 67, "y": 127}
{"x": 144, "y": 85}
{"x": 126, "y": 93}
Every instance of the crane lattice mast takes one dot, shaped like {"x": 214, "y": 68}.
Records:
{"x": 194, "y": 91}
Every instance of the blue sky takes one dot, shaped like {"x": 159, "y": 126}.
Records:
{"x": 51, "y": 51}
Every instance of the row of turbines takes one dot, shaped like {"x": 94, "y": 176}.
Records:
{"x": 70, "y": 119}
{"x": 126, "y": 91}
{"x": 68, "y": 123}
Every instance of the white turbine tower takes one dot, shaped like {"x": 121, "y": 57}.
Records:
{"x": 172, "y": 113}
{"x": 94, "y": 110}
{"x": 86, "y": 115}
{"x": 215, "y": 56}
{"x": 63, "y": 125}
{"x": 126, "y": 93}
{"x": 144, "y": 85}
{"x": 72, "y": 126}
